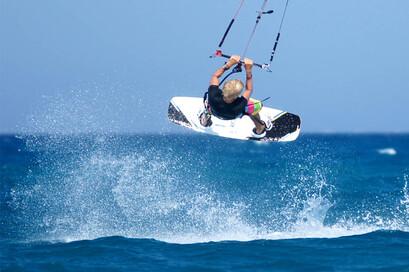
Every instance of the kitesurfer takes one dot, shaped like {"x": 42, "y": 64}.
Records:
{"x": 227, "y": 104}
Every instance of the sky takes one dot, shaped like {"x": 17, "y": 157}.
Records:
{"x": 112, "y": 66}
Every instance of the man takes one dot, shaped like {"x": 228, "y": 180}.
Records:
{"x": 227, "y": 104}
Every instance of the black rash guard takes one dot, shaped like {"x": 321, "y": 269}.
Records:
{"x": 226, "y": 111}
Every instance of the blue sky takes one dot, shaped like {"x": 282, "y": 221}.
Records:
{"x": 96, "y": 65}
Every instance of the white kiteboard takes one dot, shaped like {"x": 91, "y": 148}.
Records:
{"x": 185, "y": 111}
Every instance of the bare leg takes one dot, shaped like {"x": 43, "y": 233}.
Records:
{"x": 260, "y": 126}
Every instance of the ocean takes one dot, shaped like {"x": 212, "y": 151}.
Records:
{"x": 190, "y": 202}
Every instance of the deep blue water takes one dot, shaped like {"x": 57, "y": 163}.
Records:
{"x": 198, "y": 203}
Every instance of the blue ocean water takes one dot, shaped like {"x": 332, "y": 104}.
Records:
{"x": 199, "y": 203}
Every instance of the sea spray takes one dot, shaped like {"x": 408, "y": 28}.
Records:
{"x": 405, "y": 191}
{"x": 182, "y": 189}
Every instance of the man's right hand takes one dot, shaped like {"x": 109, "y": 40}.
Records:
{"x": 233, "y": 60}
{"x": 248, "y": 64}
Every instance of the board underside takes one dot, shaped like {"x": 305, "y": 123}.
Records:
{"x": 185, "y": 111}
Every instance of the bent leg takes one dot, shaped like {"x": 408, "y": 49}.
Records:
{"x": 252, "y": 110}
{"x": 260, "y": 125}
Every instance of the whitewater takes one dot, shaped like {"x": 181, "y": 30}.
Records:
{"x": 194, "y": 191}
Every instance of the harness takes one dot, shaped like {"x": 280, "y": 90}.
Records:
{"x": 208, "y": 110}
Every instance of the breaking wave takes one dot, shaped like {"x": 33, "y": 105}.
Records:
{"x": 170, "y": 189}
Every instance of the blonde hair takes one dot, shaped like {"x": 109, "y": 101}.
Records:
{"x": 232, "y": 88}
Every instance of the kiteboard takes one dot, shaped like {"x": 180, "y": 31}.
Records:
{"x": 186, "y": 111}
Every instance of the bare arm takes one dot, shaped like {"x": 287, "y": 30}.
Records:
{"x": 219, "y": 72}
{"x": 248, "y": 63}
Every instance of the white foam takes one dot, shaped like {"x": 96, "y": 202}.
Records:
{"x": 405, "y": 191}
{"x": 158, "y": 195}
{"x": 310, "y": 224}
{"x": 387, "y": 151}
{"x": 216, "y": 222}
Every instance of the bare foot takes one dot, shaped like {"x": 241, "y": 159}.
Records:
{"x": 260, "y": 128}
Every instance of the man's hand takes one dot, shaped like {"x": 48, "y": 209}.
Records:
{"x": 248, "y": 64}
{"x": 233, "y": 60}
{"x": 214, "y": 80}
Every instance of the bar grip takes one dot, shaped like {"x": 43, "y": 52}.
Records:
{"x": 262, "y": 66}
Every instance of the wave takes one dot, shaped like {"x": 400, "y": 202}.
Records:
{"x": 322, "y": 233}
{"x": 388, "y": 248}
{"x": 155, "y": 187}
